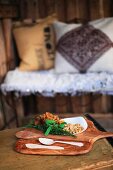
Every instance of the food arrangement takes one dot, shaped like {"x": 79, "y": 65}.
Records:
{"x": 52, "y": 124}
{"x": 68, "y": 136}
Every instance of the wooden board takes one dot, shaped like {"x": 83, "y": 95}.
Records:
{"x": 88, "y": 137}
{"x": 100, "y": 157}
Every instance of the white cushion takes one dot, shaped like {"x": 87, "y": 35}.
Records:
{"x": 62, "y": 65}
{"x": 104, "y": 63}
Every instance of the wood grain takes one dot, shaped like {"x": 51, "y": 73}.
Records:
{"x": 88, "y": 138}
{"x": 101, "y": 156}
{"x": 62, "y": 104}
{"x": 44, "y": 104}
{"x": 3, "y": 59}
{"x": 7, "y": 30}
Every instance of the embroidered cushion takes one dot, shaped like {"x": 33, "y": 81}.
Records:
{"x": 84, "y": 48}
{"x": 35, "y": 44}
{"x": 61, "y": 64}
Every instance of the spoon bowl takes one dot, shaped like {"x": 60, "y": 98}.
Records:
{"x": 47, "y": 141}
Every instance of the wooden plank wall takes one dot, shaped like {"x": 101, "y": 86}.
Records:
{"x": 66, "y": 10}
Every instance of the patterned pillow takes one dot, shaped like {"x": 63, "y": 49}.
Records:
{"x": 82, "y": 48}
{"x": 35, "y": 44}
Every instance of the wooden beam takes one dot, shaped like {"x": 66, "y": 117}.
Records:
{"x": 7, "y": 30}
{"x": 3, "y": 60}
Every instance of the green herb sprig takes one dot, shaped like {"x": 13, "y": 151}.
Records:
{"x": 51, "y": 127}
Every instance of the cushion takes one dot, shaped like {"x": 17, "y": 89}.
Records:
{"x": 82, "y": 48}
{"x": 61, "y": 64}
{"x": 35, "y": 44}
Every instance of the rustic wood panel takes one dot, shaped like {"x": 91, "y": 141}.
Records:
{"x": 7, "y": 111}
{"x": 101, "y": 103}
{"x": 18, "y": 103}
{"x": 71, "y": 10}
{"x": 61, "y": 10}
{"x": 30, "y": 105}
{"x": 29, "y": 9}
{"x": 63, "y": 104}
{"x": 42, "y": 4}
{"x": 7, "y": 30}
{"x": 50, "y": 6}
{"x": 100, "y": 8}
{"x": 3, "y": 60}
{"x": 8, "y": 11}
{"x": 82, "y": 8}
{"x": 35, "y": 9}
{"x": 22, "y": 9}
{"x": 81, "y": 104}
{"x": 76, "y": 104}
{"x": 45, "y": 104}
{"x": 66, "y": 9}
{"x": 86, "y": 103}
{"x": 108, "y": 8}
{"x": 94, "y": 9}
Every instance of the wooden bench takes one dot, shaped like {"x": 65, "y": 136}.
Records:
{"x": 66, "y": 11}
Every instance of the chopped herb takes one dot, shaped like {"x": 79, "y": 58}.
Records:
{"x": 50, "y": 127}
{"x": 49, "y": 122}
{"x": 56, "y": 129}
{"x": 48, "y": 130}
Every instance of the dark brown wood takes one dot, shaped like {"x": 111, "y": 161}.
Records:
{"x": 50, "y": 6}
{"x": 88, "y": 138}
{"x": 71, "y": 10}
{"x": 86, "y": 103}
{"x": 45, "y": 104}
{"x": 101, "y": 103}
{"x": 106, "y": 103}
{"x": 1, "y": 120}
{"x": 83, "y": 9}
{"x": 35, "y": 9}
{"x": 18, "y": 103}
{"x": 81, "y": 104}
{"x": 76, "y": 104}
{"x": 7, "y": 11}
{"x": 62, "y": 104}
{"x": 97, "y": 103}
{"x": 42, "y": 4}
{"x": 7, "y": 31}
{"x": 96, "y": 9}
{"x": 3, "y": 59}
{"x": 108, "y": 6}
{"x": 22, "y": 9}
{"x": 61, "y": 10}
{"x": 66, "y": 9}
{"x": 8, "y": 111}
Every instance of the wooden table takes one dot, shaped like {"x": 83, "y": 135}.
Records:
{"x": 101, "y": 157}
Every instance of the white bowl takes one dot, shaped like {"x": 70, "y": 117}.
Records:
{"x": 77, "y": 120}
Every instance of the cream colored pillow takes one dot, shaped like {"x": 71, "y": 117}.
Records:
{"x": 35, "y": 44}
{"x": 84, "y": 48}
{"x": 61, "y": 64}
